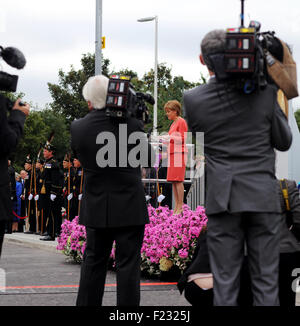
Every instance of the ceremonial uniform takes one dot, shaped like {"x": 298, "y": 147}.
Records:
{"x": 38, "y": 202}
{"x": 77, "y": 190}
{"x": 69, "y": 175}
{"x": 50, "y": 193}
{"x": 30, "y": 205}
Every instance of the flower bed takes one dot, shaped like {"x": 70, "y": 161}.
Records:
{"x": 169, "y": 240}
{"x": 72, "y": 240}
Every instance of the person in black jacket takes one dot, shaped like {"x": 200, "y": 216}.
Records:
{"x": 51, "y": 193}
{"x": 11, "y": 129}
{"x": 113, "y": 205}
{"x": 29, "y": 194}
{"x": 68, "y": 185}
{"x": 78, "y": 176}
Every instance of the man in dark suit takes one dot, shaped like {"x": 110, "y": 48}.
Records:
{"x": 289, "y": 241}
{"x": 11, "y": 130}
{"x": 242, "y": 204}
{"x": 113, "y": 205}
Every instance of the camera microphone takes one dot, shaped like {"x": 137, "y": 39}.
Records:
{"x": 147, "y": 97}
{"x": 14, "y": 57}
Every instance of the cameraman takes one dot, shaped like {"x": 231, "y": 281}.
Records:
{"x": 113, "y": 204}
{"x": 242, "y": 205}
{"x": 11, "y": 129}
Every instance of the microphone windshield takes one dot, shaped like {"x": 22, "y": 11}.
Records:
{"x": 14, "y": 57}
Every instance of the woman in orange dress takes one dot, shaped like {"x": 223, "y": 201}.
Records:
{"x": 176, "y": 152}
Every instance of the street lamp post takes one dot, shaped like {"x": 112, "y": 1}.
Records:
{"x": 98, "y": 50}
{"x": 142, "y": 20}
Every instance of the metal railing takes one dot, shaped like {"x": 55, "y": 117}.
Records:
{"x": 196, "y": 193}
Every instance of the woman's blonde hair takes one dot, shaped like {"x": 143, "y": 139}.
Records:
{"x": 173, "y": 105}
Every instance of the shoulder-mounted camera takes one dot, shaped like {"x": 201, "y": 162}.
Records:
{"x": 123, "y": 101}
{"x": 253, "y": 58}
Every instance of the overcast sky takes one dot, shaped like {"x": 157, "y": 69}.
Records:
{"x": 54, "y": 34}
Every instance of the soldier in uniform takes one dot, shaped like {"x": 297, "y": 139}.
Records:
{"x": 51, "y": 193}
{"x": 69, "y": 174}
{"x": 77, "y": 187}
{"x": 38, "y": 201}
{"x": 29, "y": 191}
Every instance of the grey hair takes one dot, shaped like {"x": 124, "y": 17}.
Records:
{"x": 95, "y": 91}
{"x": 213, "y": 42}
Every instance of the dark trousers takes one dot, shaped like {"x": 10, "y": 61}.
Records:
{"x": 74, "y": 204}
{"x": 23, "y": 213}
{"x": 288, "y": 263}
{"x": 198, "y": 297}
{"x": 94, "y": 266}
{"x": 57, "y": 204}
{"x": 226, "y": 238}
{"x": 52, "y": 212}
{"x": 43, "y": 206}
{"x": 2, "y": 232}
{"x": 204, "y": 298}
{"x": 32, "y": 216}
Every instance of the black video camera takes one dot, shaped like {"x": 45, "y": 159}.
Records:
{"x": 244, "y": 62}
{"x": 123, "y": 101}
{"x": 16, "y": 59}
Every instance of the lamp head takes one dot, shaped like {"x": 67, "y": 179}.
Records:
{"x": 146, "y": 19}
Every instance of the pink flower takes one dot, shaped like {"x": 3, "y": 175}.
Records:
{"x": 171, "y": 236}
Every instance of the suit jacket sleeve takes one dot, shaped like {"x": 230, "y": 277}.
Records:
{"x": 281, "y": 132}
{"x": 189, "y": 113}
{"x": 11, "y": 128}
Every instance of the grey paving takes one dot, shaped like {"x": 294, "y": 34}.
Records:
{"x": 27, "y": 265}
{"x": 27, "y": 261}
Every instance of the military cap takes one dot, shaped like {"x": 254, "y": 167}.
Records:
{"x": 48, "y": 146}
{"x": 68, "y": 158}
{"x": 28, "y": 159}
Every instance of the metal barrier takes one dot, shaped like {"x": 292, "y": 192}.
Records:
{"x": 196, "y": 194}
{"x": 194, "y": 177}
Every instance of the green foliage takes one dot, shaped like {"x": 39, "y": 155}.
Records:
{"x": 68, "y": 100}
{"x": 67, "y": 95}
{"x": 68, "y": 104}
{"x": 169, "y": 88}
{"x": 37, "y": 128}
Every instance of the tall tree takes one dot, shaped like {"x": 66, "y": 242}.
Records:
{"x": 37, "y": 128}
{"x": 67, "y": 94}
{"x": 68, "y": 100}
{"x": 169, "y": 88}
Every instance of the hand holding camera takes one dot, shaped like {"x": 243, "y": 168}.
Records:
{"x": 25, "y": 108}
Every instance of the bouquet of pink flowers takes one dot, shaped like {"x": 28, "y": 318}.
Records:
{"x": 72, "y": 239}
{"x": 169, "y": 240}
